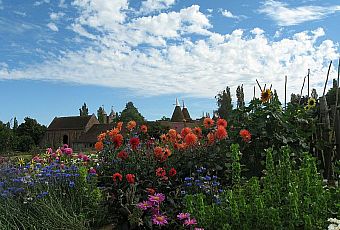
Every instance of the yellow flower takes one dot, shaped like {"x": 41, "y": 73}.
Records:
{"x": 21, "y": 161}
{"x": 266, "y": 95}
{"x": 311, "y": 103}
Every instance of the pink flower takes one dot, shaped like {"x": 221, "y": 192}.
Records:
{"x": 183, "y": 216}
{"x": 189, "y": 222}
{"x": 92, "y": 170}
{"x": 159, "y": 219}
{"x": 85, "y": 158}
{"x": 144, "y": 205}
{"x": 157, "y": 198}
{"x": 68, "y": 151}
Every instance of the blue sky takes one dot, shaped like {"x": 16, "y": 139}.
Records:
{"x": 57, "y": 54}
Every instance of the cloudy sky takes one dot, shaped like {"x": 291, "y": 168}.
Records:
{"x": 57, "y": 54}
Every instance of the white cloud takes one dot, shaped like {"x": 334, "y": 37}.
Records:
{"x": 38, "y": 3}
{"x": 153, "y": 55}
{"x": 62, "y": 4}
{"x": 156, "y": 5}
{"x": 56, "y": 16}
{"x": 288, "y": 16}
{"x": 228, "y": 14}
{"x": 53, "y": 26}
{"x": 210, "y": 10}
{"x": 20, "y": 13}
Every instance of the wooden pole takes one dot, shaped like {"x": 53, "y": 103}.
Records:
{"x": 329, "y": 69}
{"x": 258, "y": 85}
{"x": 303, "y": 85}
{"x": 254, "y": 93}
{"x": 308, "y": 82}
{"x": 285, "y": 92}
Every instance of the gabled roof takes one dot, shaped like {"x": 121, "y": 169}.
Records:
{"x": 75, "y": 123}
{"x": 91, "y": 135}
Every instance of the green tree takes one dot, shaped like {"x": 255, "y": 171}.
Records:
{"x": 84, "y": 111}
{"x": 130, "y": 112}
{"x": 30, "y": 127}
{"x": 224, "y": 103}
{"x": 6, "y": 138}
{"x": 15, "y": 124}
{"x": 240, "y": 97}
{"x": 101, "y": 115}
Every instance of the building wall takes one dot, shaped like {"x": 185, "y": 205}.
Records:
{"x": 54, "y": 139}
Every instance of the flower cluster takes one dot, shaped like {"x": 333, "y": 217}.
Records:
{"x": 334, "y": 224}
{"x": 130, "y": 178}
{"x": 153, "y": 205}
{"x": 187, "y": 220}
{"x": 202, "y": 181}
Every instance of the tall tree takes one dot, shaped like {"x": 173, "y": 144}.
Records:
{"x": 240, "y": 97}
{"x": 30, "y": 127}
{"x": 101, "y": 115}
{"x": 6, "y": 138}
{"x": 130, "y": 112}
{"x": 224, "y": 103}
{"x": 15, "y": 124}
{"x": 84, "y": 111}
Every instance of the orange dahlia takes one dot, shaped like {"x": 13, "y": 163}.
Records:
{"x": 131, "y": 125}
{"x": 185, "y": 131}
{"x": 118, "y": 140}
{"x": 144, "y": 129}
{"x": 119, "y": 126}
{"x": 208, "y": 122}
{"x": 211, "y": 138}
{"x": 190, "y": 139}
{"x": 221, "y": 133}
{"x": 198, "y": 131}
{"x": 172, "y": 133}
{"x": 222, "y": 122}
{"x": 99, "y": 146}
{"x": 246, "y": 135}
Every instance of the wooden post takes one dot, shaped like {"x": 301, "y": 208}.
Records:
{"x": 258, "y": 85}
{"x": 308, "y": 82}
{"x": 285, "y": 92}
{"x": 254, "y": 93}
{"x": 303, "y": 85}
{"x": 329, "y": 69}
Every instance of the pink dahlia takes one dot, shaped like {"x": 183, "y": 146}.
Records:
{"x": 189, "y": 222}
{"x": 183, "y": 216}
{"x": 159, "y": 219}
{"x": 157, "y": 198}
{"x": 144, "y": 205}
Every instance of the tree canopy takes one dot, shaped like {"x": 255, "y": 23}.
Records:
{"x": 130, "y": 112}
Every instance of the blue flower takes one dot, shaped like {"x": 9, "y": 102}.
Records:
{"x": 71, "y": 184}
{"x": 215, "y": 183}
{"x": 188, "y": 178}
{"x": 188, "y": 184}
{"x": 207, "y": 178}
{"x": 214, "y": 177}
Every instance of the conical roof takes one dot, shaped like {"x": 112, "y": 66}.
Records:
{"x": 177, "y": 115}
{"x": 186, "y": 113}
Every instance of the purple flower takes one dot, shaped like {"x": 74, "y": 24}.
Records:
{"x": 159, "y": 219}
{"x": 157, "y": 198}
{"x": 144, "y": 205}
{"x": 189, "y": 222}
{"x": 183, "y": 216}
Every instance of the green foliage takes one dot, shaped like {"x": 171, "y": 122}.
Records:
{"x": 7, "y": 138}
{"x": 30, "y": 127}
{"x": 224, "y": 103}
{"x": 130, "y": 112}
{"x": 289, "y": 196}
{"x": 101, "y": 115}
{"x": 84, "y": 111}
